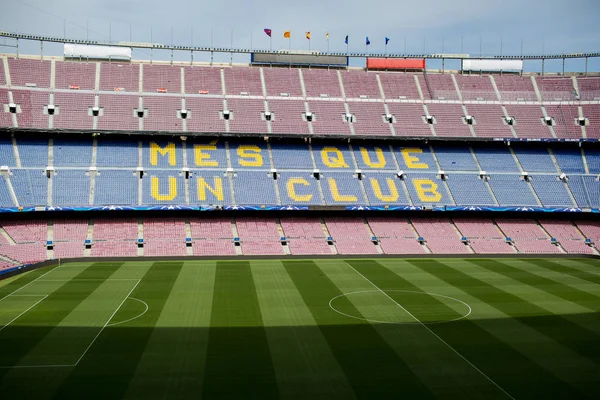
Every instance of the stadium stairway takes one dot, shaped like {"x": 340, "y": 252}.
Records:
{"x": 468, "y": 245}
{"x": 520, "y": 166}
{"x": 536, "y": 89}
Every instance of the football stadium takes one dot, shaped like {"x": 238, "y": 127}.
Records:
{"x": 295, "y": 225}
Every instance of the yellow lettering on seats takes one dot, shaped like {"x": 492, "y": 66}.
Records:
{"x": 333, "y": 157}
{"x": 155, "y": 190}
{"x": 388, "y": 198}
{"x": 427, "y": 190}
{"x": 412, "y": 161}
{"x": 155, "y": 150}
{"x": 290, "y": 185}
{"x": 380, "y": 158}
{"x": 336, "y": 194}
{"x": 216, "y": 190}
{"x": 203, "y": 159}
{"x": 253, "y": 153}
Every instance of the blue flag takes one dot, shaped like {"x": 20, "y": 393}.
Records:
{"x": 387, "y": 39}
{"x": 346, "y": 41}
{"x": 368, "y": 41}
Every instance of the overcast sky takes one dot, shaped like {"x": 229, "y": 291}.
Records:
{"x": 433, "y": 26}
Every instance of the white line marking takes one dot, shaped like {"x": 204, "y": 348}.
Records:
{"x": 136, "y": 317}
{"x": 38, "y": 366}
{"x": 85, "y": 280}
{"x": 433, "y": 333}
{"x": 19, "y": 316}
{"x": 401, "y": 323}
{"x": 106, "y": 324}
{"x": 27, "y": 284}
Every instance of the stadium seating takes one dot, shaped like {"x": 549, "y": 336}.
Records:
{"x": 350, "y": 235}
{"x": 553, "y": 89}
{"x": 399, "y": 86}
{"x": 476, "y": 87}
{"x": 489, "y": 120}
{"x": 214, "y": 236}
{"x": 305, "y": 235}
{"x": 259, "y": 236}
{"x": 569, "y": 236}
{"x": 282, "y": 81}
{"x": 75, "y": 172}
{"x": 483, "y": 236}
{"x": 515, "y": 88}
{"x": 165, "y": 237}
{"x": 154, "y": 91}
{"x": 57, "y": 149}
{"x": 528, "y": 236}
{"x": 396, "y": 236}
{"x": 202, "y": 80}
{"x": 115, "y": 237}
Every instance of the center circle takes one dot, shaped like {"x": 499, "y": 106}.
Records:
{"x": 395, "y": 306}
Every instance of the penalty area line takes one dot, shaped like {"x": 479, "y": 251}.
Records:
{"x": 432, "y": 332}
{"x": 27, "y": 284}
{"x": 19, "y": 316}
{"x": 107, "y": 322}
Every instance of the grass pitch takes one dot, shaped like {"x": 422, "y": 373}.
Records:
{"x": 325, "y": 328}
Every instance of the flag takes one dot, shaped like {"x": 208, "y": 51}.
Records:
{"x": 268, "y": 32}
{"x": 387, "y": 39}
{"x": 346, "y": 41}
{"x": 368, "y": 42}
{"x": 287, "y": 34}
{"x": 308, "y": 35}
{"x": 327, "y": 36}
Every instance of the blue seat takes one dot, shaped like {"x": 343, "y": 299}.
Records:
{"x": 206, "y": 154}
{"x": 287, "y": 156}
{"x": 384, "y": 189}
{"x": 254, "y": 188}
{"x": 163, "y": 187}
{"x": 342, "y": 188}
{"x": 378, "y": 158}
{"x": 7, "y": 153}
{"x": 33, "y": 152}
{"x": 569, "y": 160}
{"x": 469, "y": 190}
{"x": 454, "y": 158}
{"x": 116, "y": 187}
{"x": 31, "y": 186}
{"x": 495, "y": 159}
{"x": 72, "y": 153}
{"x": 440, "y": 196}
{"x": 296, "y": 187}
{"x": 535, "y": 159}
{"x": 5, "y": 198}
{"x": 210, "y": 187}
{"x": 117, "y": 153}
{"x": 551, "y": 191}
{"x": 70, "y": 187}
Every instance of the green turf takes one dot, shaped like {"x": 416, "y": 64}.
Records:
{"x": 313, "y": 328}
